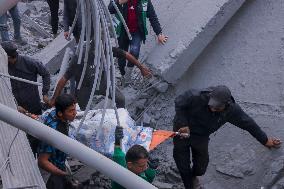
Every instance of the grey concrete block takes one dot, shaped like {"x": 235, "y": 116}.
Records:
{"x": 52, "y": 55}
{"x": 190, "y": 29}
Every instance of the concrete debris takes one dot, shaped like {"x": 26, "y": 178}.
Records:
{"x": 247, "y": 56}
{"x": 274, "y": 175}
{"x": 279, "y": 184}
{"x": 212, "y": 185}
{"x": 162, "y": 185}
{"x": 141, "y": 103}
{"x": 185, "y": 44}
{"x": 237, "y": 163}
{"x": 162, "y": 87}
{"x": 52, "y": 55}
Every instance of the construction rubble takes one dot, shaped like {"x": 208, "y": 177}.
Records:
{"x": 237, "y": 43}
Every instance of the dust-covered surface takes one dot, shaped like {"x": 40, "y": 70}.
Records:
{"x": 247, "y": 56}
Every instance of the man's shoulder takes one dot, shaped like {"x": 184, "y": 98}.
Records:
{"x": 28, "y": 59}
{"x": 49, "y": 118}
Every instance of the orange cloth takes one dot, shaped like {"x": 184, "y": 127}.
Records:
{"x": 160, "y": 136}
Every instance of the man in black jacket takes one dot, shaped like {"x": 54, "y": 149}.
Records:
{"x": 135, "y": 13}
{"x": 27, "y": 95}
{"x": 201, "y": 113}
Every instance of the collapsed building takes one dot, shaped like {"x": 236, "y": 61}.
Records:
{"x": 237, "y": 43}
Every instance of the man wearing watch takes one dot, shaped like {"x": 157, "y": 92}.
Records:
{"x": 134, "y": 13}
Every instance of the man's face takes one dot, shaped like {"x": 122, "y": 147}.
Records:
{"x": 70, "y": 113}
{"x": 11, "y": 60}
{"x": 139, "y": 166}
{"x": 217, "y": 109}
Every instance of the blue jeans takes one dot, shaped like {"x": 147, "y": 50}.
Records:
{"x": 14, "y": 12}
{"x": 134, "y": 48}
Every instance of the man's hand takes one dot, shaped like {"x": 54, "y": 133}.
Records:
{"x": 145, "y": 71}
{"x": 122, "y": 1}
{"x": 66, "y": 34}
{"x": 45, "y": 99}
{"x": 72, "y": 182}
{"x": 273, "y": 143}
{"x": 162, "y": 38}
{"x": 22, "y": 110}
{"x": 51, "y": 102}
{"x": 118, "y": 135}
{"x": 184, "y": 132}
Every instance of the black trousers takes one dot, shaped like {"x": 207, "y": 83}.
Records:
{"x": 56, "y": 182}
{"x": 133, "y": 46}
{"x": 34, "y": 142}
{"x": 54, "y": 7}
{"x": 198, "y": 146}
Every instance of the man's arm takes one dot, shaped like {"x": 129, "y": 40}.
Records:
{"x": 154, "y": 21}
{"x": 48, "y": 166}
{"x": 60, "y": 85}
{"x": 182, "y": 106}
{"x": 119, "y": 53}
{"x": 143, "y": 69}
{"x": 62, "y": 82}
{"x": 43, "y": 72}
{"x": 240, "y": 119}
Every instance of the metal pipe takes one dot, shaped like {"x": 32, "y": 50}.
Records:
{"x": 21, "y": 79}
{"x": 74, "y": 148}
{"x": 5, "y": 5}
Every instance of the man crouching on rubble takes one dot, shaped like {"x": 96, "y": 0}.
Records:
{"x": 136, "y": 160}
{"x": 51, "y": 159}
{"x": 202, "y": 113}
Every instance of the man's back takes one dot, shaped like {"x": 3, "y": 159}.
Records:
{"x": 27, "y": 95}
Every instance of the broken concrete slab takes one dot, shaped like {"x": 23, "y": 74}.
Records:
{"x": 237, "y": 163}
{"x": 52, "y": 55}
{"x": 34, "y": 25}
{"x": 212, "y": 185}
{"x": 196, "y": 23}
{"x": 162, "y": 185}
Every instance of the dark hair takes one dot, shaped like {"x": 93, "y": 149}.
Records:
{"x": 135, "y": 153}
{"x": 10, "y": 48}
{"x": 63, "y": 101}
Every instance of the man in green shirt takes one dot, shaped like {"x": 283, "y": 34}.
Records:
{"x": 136, "y": 160}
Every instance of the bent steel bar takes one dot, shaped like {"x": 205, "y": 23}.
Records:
{"x": 74, "y": 148}
{"x": 20, "y": 79}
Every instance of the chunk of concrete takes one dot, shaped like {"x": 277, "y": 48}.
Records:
{"x": 190, "y": 30}
{"x": 162, "y": 185}
{"x": 52, "y": 55}
{"x": 237, "y": 163}
{"x": 34, "y": 25}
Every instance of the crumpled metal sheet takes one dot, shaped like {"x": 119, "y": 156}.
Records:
{"x": 21, "y": 170}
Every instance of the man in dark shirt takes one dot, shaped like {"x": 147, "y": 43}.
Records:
{"x": 83, "y": 94}
{"x": 26, "y": 95}
{"x": 201, "y": 113}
